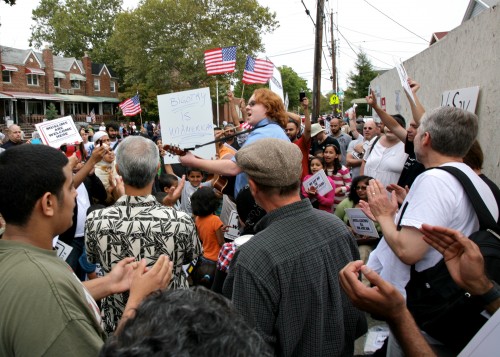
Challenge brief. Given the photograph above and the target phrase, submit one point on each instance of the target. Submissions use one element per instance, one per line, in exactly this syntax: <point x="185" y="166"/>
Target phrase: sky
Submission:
<point x="395" y="30"/>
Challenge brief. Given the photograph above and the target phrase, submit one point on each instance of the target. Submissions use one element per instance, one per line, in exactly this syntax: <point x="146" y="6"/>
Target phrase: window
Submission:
<point x="75" y="84"/>
<point x="32" y="79"/>
<point x="6" y="76"/>
<point x="97" y="85"/>
<point x="112" y="86"/>
<point x="57" y="82"/>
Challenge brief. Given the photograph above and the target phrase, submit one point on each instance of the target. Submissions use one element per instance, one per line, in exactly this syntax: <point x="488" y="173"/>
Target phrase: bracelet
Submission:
<point x="491" y="295"/>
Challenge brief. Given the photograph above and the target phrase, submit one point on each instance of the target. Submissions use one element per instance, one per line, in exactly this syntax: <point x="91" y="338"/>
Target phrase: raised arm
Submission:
<point x="307" y="121"/>
<point x="387" y="119"/>
<point x="352" y="123"/>
<point x="417" y="109"/>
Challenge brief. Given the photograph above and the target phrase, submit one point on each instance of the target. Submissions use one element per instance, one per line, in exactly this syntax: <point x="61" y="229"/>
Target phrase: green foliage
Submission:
<point x="293" y="85"/>
<point x="10" y="2"/>
<point x="72" y="27"/>
<point x="160" y="45"/>
<point x="359" y="81"/>
<point x="51" y="112"/>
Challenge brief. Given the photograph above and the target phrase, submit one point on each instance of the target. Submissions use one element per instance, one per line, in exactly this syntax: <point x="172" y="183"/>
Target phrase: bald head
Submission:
<point x="14" y="133"/>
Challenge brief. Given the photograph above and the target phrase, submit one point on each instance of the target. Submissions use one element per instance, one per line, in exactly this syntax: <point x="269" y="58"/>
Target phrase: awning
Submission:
<point x="8" y="67"/>
<point x="6" y="96"/>
<point x="87" y="99"/>
<point x="58" y="74"/>
<point x="38" y="96"/>
<point x="37" y="71"/>
<point x="77" y="77"/>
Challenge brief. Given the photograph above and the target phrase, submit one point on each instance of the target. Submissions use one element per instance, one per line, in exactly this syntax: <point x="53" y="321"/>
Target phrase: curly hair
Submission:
<point x="353" y="194"/>
<point x="275" y="109"/>
<point x="186" y="322"/>
<point x="204" y="202"/>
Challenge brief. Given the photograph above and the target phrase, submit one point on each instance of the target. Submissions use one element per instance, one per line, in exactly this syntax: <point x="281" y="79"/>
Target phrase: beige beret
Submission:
<point x="271" y="162"/>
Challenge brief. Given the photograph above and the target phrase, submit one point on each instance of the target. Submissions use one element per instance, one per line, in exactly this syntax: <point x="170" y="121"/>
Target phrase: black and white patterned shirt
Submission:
<point x="139" y="227"/>
<point x="284" y="281"/>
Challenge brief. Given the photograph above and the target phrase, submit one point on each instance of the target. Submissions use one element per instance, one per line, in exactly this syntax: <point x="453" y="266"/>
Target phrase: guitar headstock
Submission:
<point x="174" y="150"/>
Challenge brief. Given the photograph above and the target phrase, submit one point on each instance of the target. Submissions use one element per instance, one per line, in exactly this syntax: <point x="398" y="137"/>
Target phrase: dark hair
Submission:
<point x="353" y="193"/>
<point x="204" y="202"/>
<point x="167" y="180"/>
<point x="321" y="159"/>
<point x="160" y="196"/>
<point x="248" y="210"/>
<point x="195" y="169"/>
<point x="400" y="119"/>
<point x="186" y="322"/>
<point x="27" y="172"/>
<point x="113" y="125"/>
<point x="337" y="165"/>
<point x="474" y="157"/>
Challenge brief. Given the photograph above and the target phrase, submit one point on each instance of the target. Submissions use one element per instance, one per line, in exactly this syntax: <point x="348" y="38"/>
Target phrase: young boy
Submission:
<point x="194" y="178"/>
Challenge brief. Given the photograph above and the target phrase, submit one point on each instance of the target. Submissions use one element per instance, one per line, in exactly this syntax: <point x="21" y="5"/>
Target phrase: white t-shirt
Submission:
<point x="436" y="198"/>
<point x="350" y="150"/>
<point x="83" y="202"/>
<point x="385" y="164"/>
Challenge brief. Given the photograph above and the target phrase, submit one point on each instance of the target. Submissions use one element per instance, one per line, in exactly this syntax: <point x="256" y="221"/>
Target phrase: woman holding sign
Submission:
<point x="322" y="202"/>
<point x="266" y="113"/>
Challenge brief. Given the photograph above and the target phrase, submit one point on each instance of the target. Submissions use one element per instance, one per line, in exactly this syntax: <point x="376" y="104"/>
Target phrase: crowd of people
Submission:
<point x="147" y="241"/>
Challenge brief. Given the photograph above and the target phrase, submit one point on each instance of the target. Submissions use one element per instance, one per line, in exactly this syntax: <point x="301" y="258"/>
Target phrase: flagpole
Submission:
<point x="140" y="113"/>
<point x="242" y="90"/>
<point x="217" y="96"/>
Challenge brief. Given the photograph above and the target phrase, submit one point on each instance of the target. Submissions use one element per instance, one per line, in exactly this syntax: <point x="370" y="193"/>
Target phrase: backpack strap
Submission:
<point x="486" y="220"/>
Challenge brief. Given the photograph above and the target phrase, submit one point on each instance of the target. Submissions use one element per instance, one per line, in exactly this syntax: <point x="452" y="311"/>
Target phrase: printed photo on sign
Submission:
<point x="360" y="223"/>
<point x="320" y="182"/>
<point x="186" y="121"/>
<point x="58" y="132"/>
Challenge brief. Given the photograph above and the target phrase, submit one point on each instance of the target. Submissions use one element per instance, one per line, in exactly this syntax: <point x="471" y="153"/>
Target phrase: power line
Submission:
<point x="382" y="38"/>
<point x="390" y="18"/>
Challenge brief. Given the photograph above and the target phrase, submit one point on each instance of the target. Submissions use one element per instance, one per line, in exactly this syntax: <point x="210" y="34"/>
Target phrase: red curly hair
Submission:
<point x="275" y="109"/>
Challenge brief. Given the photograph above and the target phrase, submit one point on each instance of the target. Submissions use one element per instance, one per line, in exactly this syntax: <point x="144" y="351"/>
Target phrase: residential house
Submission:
<point x="32" y="80"/>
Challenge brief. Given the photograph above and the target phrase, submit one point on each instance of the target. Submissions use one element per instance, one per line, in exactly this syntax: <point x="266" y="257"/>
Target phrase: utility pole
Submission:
<point x="317" y="61"/>
<point x="334" y="65"/>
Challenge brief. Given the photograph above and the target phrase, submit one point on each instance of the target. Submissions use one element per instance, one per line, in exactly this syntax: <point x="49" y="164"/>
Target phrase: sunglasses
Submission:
<point x="361" y="188"/>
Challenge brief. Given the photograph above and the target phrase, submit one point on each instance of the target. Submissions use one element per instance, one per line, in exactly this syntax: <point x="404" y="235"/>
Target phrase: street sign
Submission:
<point x="334" y="100"/>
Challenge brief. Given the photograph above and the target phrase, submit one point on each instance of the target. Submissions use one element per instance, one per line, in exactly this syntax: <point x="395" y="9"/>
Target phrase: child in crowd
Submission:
<point x="193" y="182"/>
<point x="322" y="202"/>
<point x="338" y="172"/>
<point x="166" y="182"/>
<point x="210" y="230"/>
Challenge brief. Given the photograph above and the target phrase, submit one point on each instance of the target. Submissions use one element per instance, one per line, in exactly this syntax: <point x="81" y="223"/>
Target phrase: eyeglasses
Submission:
<point x="252" y="103"/>
<point x="361" y="188"/>
<point x="366" y="128"/>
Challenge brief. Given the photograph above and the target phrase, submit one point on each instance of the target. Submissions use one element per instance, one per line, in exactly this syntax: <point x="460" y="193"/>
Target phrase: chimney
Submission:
<point x="48" y="59"/>
<point x="87" y="66"/>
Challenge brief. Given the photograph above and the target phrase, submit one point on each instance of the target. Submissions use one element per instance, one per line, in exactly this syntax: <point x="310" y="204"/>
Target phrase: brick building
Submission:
<point x="32" y="80"/>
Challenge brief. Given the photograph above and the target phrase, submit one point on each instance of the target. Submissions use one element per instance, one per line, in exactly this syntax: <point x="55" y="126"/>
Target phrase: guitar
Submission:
<point x="223" y="184"/>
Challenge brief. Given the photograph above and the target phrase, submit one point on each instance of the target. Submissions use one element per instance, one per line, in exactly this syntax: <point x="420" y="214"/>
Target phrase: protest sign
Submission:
<point x="276" y="85"/>
<point x="186" y="120"/>
<point x="58" y="132"/>
<point x="318" y="181"/>
<point x="464" y="98"/>
<point x="360" y="223"/>
<point x="403" y="76"/>
<point x="232" y="230"/>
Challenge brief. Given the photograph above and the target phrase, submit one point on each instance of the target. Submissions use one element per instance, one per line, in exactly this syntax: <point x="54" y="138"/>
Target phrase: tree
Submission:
<point x="72" y="27"/>
<point x="51" y="112"/>
<point x="160" y="44"/>
<point x="10" y="2"/>
<point x="359" y="81"/>
<point x="293" y="85"/>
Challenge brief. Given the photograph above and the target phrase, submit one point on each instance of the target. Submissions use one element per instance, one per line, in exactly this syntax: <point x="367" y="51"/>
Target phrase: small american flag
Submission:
<point x="92" y="115"/>
<point x="131" y="107"/>
<point x="220" y="60"/>
<point x="257" y="71"/>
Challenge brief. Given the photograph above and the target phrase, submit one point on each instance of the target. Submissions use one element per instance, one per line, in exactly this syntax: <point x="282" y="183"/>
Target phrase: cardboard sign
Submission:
<point x="233" y="231"/>
<point x="275" y="83"/>
<point x="63" y="250"/>
<point x="360" y="223"/>
<point x="58" y="132"/>
<point x="186" y="121"/>
<point x="464" y="98"/>
<point x="318" y="181"/>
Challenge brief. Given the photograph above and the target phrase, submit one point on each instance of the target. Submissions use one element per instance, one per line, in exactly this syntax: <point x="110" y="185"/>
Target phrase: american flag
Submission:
<point x="257" y="71"/>
<point x="220" y="60"/>
<point x="92" y="115"/>
<point x="131" y="107"/>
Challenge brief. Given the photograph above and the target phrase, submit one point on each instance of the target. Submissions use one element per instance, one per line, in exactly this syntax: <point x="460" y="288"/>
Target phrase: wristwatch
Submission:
<point x="491" y="295"/>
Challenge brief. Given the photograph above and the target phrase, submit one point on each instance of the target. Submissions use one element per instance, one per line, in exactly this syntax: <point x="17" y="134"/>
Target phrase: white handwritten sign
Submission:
<point x="320" y="182"/>
<point x="232" y="231"/>
<point x="403" y="76"/>
<point x="465" y="98"/>
<point x="360" y="223"/>
<point x="58" y="132"/>
<point x="186" y="120"/>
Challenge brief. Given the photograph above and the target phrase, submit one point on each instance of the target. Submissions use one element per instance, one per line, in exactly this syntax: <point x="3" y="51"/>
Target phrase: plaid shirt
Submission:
<point x="225" y="256"/>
